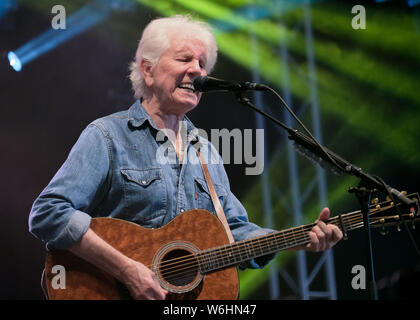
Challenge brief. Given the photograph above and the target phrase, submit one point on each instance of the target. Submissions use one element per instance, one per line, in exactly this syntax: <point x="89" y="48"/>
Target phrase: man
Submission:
<point x="115" y="168"/>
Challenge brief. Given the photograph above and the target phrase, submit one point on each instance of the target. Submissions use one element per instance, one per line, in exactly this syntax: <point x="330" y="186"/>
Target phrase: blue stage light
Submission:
<point x="14" y="61"/>
<point x="6" y="6"/>
<point x="413" y="3"/>
<point x="86" y="17"/>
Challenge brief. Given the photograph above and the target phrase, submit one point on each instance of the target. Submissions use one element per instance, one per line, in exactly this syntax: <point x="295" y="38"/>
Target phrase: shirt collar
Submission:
<point x="137" y="115"/>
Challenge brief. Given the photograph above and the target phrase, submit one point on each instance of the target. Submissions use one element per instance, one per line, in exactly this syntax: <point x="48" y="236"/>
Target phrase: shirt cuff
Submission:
<point x="78" y="225"/>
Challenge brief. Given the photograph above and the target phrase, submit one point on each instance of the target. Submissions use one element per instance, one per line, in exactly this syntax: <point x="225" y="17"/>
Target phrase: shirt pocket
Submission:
<point x="144" y="196"/>
<point x="202" y="194"/>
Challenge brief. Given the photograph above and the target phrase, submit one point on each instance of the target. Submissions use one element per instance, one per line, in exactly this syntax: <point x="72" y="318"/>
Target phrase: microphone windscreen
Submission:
<point x="199" y="82"/>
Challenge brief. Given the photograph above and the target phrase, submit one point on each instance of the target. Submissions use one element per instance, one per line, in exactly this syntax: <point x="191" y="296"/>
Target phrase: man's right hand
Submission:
<point x="142" y="282"/>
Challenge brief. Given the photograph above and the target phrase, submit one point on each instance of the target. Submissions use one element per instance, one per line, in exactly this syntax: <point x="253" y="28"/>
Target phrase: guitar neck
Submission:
<point x="238" y="252"/>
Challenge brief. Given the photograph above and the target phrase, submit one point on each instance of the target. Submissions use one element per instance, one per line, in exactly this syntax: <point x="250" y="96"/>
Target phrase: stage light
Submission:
<point x="6" y="6"/>
<point x="14" y="61"/>
<point x="413" y="3"/>
<point x="83" y="19"/>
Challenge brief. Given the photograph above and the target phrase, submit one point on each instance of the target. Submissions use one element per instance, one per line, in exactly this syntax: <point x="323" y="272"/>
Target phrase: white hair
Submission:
<point x="155" y="40"/>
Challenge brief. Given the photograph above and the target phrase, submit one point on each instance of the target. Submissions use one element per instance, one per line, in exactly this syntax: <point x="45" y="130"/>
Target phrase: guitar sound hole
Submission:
<point x="179" y="267"/>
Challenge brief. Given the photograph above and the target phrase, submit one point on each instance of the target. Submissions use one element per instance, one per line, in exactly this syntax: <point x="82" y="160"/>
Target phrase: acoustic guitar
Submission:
<point x="191" y="256"/>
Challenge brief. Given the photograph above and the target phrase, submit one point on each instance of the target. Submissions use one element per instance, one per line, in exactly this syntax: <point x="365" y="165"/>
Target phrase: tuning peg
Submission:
<point x="411" y="215"/>
<point x="375" y="201"/>
<point x="399" y="226"/>
<point x="383" y="231"/>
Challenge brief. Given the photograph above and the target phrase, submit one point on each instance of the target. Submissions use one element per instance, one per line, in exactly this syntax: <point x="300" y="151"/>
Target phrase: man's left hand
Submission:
<point x="323" y="236"/>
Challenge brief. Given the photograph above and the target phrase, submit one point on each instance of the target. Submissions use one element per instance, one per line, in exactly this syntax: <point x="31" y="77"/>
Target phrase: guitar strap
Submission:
<point x="214" y="198"/>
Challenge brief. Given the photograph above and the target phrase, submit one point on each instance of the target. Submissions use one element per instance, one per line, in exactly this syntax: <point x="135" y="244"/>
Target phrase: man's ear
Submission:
<point x="147" y="72"/>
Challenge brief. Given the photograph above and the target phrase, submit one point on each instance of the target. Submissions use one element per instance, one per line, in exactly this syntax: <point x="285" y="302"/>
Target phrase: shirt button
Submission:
<point x="143" y="182"/>
<point x="182" y="210"/>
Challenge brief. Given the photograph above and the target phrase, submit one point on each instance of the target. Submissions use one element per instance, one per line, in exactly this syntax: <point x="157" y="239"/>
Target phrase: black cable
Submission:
<point x="304" y="128"/>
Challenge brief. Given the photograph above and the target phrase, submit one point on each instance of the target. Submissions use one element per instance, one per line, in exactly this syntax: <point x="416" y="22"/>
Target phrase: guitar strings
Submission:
<point x="297" y="240"/>
<point x="239" y="244"/>
<point x="354" y="220"/>
<point x="221" y="253"/>
<point x="215" y="253"/>
<point x="212" y="253"/>
<point x="189" y="270"/>
<point x="186" y="273"/>
<point x="192" y="268"/>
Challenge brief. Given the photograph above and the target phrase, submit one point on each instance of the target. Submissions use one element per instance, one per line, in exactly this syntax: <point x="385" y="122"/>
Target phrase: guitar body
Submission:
<point x="187" y="234"/>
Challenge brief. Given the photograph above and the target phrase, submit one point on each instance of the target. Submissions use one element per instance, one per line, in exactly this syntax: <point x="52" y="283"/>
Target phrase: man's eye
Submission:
<point x="202" y="64"/>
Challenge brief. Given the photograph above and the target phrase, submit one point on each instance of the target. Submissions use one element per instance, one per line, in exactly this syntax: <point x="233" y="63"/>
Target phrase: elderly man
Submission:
<point x="113" y="169"/>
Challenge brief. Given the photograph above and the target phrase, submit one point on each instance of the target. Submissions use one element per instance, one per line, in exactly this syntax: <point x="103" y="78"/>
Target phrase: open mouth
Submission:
<point x="187" y="86"/>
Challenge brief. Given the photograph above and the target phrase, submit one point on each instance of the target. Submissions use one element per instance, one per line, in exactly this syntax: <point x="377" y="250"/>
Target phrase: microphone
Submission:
<point x="402" y="197"/>
<point x="206" y="84"/>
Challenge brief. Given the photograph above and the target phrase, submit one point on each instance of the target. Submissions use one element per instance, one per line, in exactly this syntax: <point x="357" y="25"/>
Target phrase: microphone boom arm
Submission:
<point x="327" y="155"/>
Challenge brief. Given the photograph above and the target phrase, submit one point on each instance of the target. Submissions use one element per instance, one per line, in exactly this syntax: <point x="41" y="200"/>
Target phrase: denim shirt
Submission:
<point x="117" y="169"/>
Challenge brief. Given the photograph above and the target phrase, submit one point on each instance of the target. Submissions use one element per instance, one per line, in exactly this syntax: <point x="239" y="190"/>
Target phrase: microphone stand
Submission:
<point x="367" y="185"/>
<point x="363" y="195"/>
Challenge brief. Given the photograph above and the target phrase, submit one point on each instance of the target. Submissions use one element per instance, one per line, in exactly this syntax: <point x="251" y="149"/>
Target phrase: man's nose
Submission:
<point x="194" y="67"/>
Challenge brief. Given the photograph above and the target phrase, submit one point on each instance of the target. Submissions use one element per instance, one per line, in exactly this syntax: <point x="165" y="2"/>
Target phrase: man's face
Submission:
<point x="172" y="77"/>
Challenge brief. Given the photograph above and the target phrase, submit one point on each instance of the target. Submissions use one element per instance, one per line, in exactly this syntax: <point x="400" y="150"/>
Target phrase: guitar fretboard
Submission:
<point x="238" y="252"/>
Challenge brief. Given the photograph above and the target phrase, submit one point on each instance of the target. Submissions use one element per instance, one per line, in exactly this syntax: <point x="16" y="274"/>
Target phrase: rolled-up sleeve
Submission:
<point x="59" y="215"/>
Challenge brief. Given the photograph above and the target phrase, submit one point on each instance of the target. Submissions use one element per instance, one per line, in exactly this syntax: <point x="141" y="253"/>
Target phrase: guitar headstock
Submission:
<point x="387" y="213"/>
